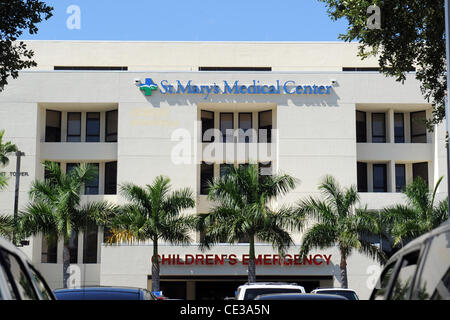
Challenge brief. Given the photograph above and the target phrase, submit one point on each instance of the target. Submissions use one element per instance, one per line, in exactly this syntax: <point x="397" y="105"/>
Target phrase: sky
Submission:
<point x="192" y="20"/>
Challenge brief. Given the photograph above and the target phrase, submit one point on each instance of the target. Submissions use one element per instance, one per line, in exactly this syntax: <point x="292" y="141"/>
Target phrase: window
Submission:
<point x="361" y="127"/>
<point x="400" y="177"/>
<point x="418" y="127"/>
<point x="379" y="178"/>
<point x="43" y="290"/>
<point x="52" y="126"/>
<point x="91" y="187"/>
<point x="19" y="276"/>
<point x="111" y="126"/>
<point x="362" y="176"/>
<point x="111" y="177"/>
<point x="206" y="176"/>
<point x="73" y="247"/>
<point x="74" y="127"/>
<point x="265" y="126"/>
<point x="383" y="282"/>
<point x="399" y="128"/>
<point x="402" y="285"/>
<point x="90" y="68"/>
<point x="49" y="248"/>
<point x="378" y="127"/>
<point x="47" y="173"/>
<point x="225" y="168"/>
<point x="234" y="68"/>
<point x="245" y="127"/>
<point x="207" y="126"/>
<point x="434" y="281"/>
<point x="90" y="242"/>
<point x="71" y="166"/>
<point x="226" y="127"/>
<point x="93" y="127"/>
<point x="265" y="168"/>
<point x="420" y="170"/>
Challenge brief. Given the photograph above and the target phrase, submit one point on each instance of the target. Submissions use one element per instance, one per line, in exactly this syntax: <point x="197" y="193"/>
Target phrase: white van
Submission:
<point x="250" y="291"/>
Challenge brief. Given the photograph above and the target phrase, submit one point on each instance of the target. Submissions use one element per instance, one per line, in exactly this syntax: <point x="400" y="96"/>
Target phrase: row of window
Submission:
<point x="378" y="121"/>
<point x="245" y="126"/>
<point x="207" y="173"/>
<point x="379" y="176"/>
<point x="92" y="187"/>
<point x="49" y="250"/>
<point x="53" y="126"/>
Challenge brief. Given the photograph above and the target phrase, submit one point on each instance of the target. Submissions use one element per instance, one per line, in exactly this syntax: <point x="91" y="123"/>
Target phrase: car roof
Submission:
<point x="299" y="296"/>
<point x="334" y="289"/>
<point x="267" y="284"/>
<point x="416" y="242"/>
<point x="99" y="289"/>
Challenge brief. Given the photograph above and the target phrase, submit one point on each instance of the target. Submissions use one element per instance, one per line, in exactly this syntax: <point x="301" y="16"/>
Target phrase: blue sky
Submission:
<point x="192" y="20"/>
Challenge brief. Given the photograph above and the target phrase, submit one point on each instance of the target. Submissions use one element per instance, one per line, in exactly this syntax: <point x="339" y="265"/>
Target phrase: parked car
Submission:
<point x="299" y="296"/>
<point x="103" y="293"/>
<point x="19" y="279"/>
<point x="347" y="293"/>
<point x="419" y="271"/>
<point x="250" y="291"/>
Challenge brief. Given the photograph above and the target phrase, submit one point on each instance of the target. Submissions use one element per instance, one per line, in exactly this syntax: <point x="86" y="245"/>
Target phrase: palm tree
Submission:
<point x="418" y="216"/>
<point x="243" y="198"/>
<point x="339" y="224"/>
<point x="154" y="214"/>
<point x="5" y="149"/>
<point x="6" y="225"/>
<point x="55" y="208"/>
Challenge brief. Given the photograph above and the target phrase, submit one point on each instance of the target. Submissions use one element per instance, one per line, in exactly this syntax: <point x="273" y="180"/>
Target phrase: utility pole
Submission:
<point x="19" y="154"/>
<point x="447" y="49"/>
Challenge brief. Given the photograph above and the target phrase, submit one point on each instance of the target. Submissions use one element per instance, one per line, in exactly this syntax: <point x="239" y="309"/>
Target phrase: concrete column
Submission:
<point x="369" y="126"/>
<point x="369" y="177"/>
<point x="407" y="119"/>
<point x="102" y="126"/>
<point x="390" y="126"/>
<point x="408" y="173"/>
<point x="391" y="176"/>
<point x="64" y="126"/>
<point x="83" y="126"/>
<point x="80" y="247"/>
<point x="101" y="178"/>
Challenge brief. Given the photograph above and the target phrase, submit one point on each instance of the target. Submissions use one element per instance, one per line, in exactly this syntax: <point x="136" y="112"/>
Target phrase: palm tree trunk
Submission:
<point x="155" y="268"/>
<point x="251" y="261"/>
<point x="343" y="266"/>
<point x="66" y="264"/>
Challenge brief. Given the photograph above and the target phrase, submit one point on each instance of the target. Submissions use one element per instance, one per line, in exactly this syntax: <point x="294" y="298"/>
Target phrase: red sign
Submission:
<point x="232" y="259"/>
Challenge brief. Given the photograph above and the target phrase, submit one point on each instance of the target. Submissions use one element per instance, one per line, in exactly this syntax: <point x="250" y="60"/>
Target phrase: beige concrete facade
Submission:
<point x="315" y="135"/>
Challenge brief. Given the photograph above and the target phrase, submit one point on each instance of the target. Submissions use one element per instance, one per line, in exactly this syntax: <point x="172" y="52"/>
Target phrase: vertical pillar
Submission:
<point x="190" y="290"/>
<point x="390" y="126"/>
<point x="391" y="176"/>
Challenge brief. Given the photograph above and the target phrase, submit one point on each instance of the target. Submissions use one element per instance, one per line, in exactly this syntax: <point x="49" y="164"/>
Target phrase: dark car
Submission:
<point x="299" y="296"/>
<point x="419" y="271"/>
<point x="19" y="279"/>
<point x="104" y="293"/>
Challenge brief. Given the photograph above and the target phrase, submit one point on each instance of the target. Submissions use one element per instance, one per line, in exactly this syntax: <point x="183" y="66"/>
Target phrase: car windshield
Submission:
<point x="350" y="295"/>
<point x="251" y="294"/>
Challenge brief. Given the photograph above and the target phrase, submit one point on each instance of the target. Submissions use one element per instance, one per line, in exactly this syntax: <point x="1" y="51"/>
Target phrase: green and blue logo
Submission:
<point x="148" y="86"/>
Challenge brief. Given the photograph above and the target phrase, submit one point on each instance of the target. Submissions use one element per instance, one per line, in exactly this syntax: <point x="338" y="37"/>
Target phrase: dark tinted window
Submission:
<point x="434" y="281"/>
<point x="383" y="283"/>
<point x="207" y="118"/>
<point x="400" y="177"/>
<point x="251" y="294"/>
<point x="420" y="170"/>
<point x="52" y="126"/>
<point x="73" y="247"/>
<point x="265" y="168"/>
<point x="361" y="127"/>
<point x="97" y="295"/>
<point x="225" y="168"/>
<point x="71" y="166"/>
<point x="111" y="177"/>
<point x="93" y="127"/>
<point x="418" y="127"/>
<point x="362" y="176"/>
<point x="90" y="241"/>
<point x="49" y="249"/>
<point x="226" y="127"/>
<point x="39" y="282"/>
<point x="405" y="277"/>
<point x="399" y="128"/>
<point x="206" y="176"/>
<point x="378" y="127"/>
<point x="91" y="187"/>
<point x="111" y="126"/>
<point x="265" y="126"/>
<point x="73" y="126"/>
<point x="245" y="127"/>
<point x="379" y="178"/>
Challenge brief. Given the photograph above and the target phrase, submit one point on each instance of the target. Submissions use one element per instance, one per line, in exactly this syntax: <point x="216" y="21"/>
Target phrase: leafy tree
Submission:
<point x="15" y="17"/>
<point x="412" y="34"/>
<point x="153" y="213"/>
<point x="243" y="211"/>
<point x="56" y="210"/>
<point x="6" y="225"/>
<point x="418" y="216"/>
<point x="338" y="223"/>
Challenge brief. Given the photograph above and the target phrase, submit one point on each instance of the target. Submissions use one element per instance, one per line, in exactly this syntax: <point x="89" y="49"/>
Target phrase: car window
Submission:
<point x="405" y="277"/>
<point x="434" y="281"/>
<point x="251" y="294"/>
<point x="19" y="277"/>
<point x="350" y="295"/>
<point x="383" y="282"/>
<point x="40" y="284"/>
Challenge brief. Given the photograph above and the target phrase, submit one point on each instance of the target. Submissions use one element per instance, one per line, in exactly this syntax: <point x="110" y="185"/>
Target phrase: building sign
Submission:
<point x="289" y="87"/>
<point x="13" y="174"/>
<point x="232" y="259"/>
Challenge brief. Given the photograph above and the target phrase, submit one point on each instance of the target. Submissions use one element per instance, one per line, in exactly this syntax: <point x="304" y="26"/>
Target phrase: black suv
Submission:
<point x="419" y="271"/>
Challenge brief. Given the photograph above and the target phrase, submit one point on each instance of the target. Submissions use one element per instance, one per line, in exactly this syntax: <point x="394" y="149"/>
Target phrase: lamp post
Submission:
<point x="19" y="154"/>
<point x="447" y="49"/>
